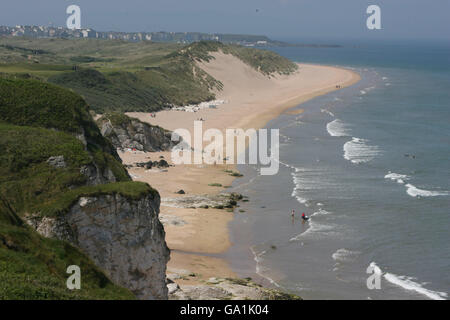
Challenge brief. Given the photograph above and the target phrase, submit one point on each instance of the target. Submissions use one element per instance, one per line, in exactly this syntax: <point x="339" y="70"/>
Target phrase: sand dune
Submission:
<point x="253" y="99"/>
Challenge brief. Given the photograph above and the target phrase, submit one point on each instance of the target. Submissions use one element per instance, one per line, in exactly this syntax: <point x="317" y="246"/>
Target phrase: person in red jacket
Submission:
<point x="305" y="217"/>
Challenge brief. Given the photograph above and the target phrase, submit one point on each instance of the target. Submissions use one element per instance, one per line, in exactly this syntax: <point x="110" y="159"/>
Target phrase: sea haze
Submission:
<point x="370" y="165"/>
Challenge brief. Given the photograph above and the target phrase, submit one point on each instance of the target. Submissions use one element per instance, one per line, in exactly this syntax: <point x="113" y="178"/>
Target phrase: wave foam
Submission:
<point x="413" y="191"/>
<point x="400" y="178"/>
<point x="327" y="112"/>
<point x="408" y="284"/>
<point x="342" y="255"/>
<point x="316" y="230"/>
<point x="258" y="257"/>
<point x="358" y="151"/>
<point x="337" y="128"/>
<point x="321" y="212"/>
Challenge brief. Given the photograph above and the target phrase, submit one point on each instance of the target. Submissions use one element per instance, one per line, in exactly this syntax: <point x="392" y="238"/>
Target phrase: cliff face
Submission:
<point x="125" y="132"/>
<point x="60" y="175"/>
<point x="123" y="237"/>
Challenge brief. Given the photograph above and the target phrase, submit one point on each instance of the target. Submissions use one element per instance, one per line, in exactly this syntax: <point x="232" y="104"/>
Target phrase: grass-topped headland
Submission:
<point x="32" y="267"/>
<point x="33" y="103"/>
<point x="48" y="139"/>
<point x="39" y="121"/>
<point x="61" y="203"/>
<point x="114" y="75"/>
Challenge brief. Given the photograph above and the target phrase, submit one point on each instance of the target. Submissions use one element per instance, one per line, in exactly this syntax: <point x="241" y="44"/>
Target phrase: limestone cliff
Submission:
<point x="123" y="237"/>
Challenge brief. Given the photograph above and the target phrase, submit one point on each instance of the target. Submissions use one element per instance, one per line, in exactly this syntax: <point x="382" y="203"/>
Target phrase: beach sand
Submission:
<point x="252" y="100"/>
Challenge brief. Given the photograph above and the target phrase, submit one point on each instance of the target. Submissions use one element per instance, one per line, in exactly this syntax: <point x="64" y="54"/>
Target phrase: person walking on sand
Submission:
<point x="293" y="213"/>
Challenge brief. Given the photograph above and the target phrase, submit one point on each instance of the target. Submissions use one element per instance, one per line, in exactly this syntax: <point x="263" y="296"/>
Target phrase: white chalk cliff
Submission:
<point x="124" y="237"/>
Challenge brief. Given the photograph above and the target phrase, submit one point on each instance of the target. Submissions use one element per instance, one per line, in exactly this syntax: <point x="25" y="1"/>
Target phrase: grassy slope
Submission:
<point x="121" y="120"/>
<point x="39" y="120"/>
<point x="123" y="76"/>
<point x="32" y="267"/>
<point x="36" y="104"/>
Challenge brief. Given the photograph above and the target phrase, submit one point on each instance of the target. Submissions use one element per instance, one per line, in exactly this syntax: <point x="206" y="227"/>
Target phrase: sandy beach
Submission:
<point x="199" y="236"/>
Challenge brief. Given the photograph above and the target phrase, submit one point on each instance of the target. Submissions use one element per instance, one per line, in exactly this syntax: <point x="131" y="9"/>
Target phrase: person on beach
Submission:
<point x="304" y="217"/>
<point x="293" y="213"/>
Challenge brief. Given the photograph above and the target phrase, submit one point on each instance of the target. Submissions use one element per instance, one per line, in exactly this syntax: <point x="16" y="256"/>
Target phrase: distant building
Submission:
<point x="176" y="37"/>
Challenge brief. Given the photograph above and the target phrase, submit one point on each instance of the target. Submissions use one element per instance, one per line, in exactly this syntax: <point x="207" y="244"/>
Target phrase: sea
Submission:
<point x="370" y="165"/>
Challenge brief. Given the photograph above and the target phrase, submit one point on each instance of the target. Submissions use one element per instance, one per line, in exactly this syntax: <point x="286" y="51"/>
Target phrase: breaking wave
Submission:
<point x="400" y="178"/>
<point x="343" y="255"/>
<point x="337" y="128"/>
<point x="413" y="191"/>
<point x="358" y="151"/>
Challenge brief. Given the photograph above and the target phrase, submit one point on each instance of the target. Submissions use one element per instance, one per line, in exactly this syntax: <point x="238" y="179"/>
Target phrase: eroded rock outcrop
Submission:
<point x="129" y="133"/>
<point x="123" y="237"/>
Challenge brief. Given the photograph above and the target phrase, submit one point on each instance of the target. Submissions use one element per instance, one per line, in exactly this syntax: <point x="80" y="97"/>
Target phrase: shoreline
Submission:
<point x="198" y="237"/>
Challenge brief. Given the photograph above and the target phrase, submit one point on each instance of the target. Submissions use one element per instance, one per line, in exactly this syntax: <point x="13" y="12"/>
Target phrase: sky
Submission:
<point x="296" y="20"/>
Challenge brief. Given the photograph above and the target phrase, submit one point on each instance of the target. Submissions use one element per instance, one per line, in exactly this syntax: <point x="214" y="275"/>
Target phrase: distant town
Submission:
<point x="177" y="37"/>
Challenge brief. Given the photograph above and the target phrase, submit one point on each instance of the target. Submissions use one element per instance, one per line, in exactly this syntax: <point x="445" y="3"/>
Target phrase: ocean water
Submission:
<point x="370" y="164"/>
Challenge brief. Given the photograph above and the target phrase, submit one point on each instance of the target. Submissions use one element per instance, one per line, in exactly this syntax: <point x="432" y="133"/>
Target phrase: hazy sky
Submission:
<point x="279" y="19"/>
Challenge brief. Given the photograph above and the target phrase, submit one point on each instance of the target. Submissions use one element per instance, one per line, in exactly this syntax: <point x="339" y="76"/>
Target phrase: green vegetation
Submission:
<point x="267" y="62"/>
<point x="117" y="119"/>
<point x="121" y="120"/>
<point x="38" y="122"/>
<point x="62" y="202"/>
<point x="215" y="185"/>
<point x="32" y="267"/>
<point x="236" y="174"/>
<point x="123" y="76"/>
<point x="36" y="104"/>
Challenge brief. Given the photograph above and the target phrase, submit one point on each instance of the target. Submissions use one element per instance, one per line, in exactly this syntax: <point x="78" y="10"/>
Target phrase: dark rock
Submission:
<point x="236" y="196"/>
<point x="57" y="162"/>
<point x="129" y="133"/>
<point x="163" y="163"/>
